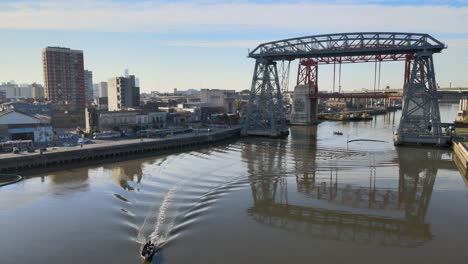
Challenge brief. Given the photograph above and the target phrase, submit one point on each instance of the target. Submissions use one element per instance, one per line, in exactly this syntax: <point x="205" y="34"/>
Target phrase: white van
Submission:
<point x="83" y="140"/>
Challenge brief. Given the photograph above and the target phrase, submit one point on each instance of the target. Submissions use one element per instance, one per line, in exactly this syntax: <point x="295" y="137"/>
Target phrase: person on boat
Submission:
<point x="147" y="248"/>
<point x="150" y="244"/>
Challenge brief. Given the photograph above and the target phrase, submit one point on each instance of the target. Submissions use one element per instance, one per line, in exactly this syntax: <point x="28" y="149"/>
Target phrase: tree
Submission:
<point x="238" y="104"/>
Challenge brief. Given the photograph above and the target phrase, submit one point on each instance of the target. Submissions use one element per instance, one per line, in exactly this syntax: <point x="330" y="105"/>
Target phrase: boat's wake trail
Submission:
<point x="158" y="235"/>
<point x="162" y="229"/>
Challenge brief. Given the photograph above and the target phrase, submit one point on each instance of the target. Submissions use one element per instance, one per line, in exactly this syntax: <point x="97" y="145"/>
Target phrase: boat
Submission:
<point x="338" y="133"/>
<point x="148" y="251"/>
<point x="345" y="117"/>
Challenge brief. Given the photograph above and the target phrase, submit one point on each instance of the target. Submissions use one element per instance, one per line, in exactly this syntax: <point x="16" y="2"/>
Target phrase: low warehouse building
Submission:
<point x="20" y="126"/>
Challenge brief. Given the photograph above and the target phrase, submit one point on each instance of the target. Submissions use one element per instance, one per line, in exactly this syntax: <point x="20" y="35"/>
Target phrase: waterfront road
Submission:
<point x="98" y="144"/>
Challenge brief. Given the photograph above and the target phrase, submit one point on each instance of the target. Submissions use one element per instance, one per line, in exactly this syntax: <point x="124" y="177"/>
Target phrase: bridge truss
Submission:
<point x="420" y="116"/>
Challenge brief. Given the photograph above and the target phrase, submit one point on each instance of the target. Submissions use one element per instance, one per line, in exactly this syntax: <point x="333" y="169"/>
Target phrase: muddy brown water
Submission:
<point x="309" y="198"/>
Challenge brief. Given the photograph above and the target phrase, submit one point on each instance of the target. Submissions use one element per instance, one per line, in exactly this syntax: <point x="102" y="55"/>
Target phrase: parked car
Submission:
<point x="16" y="150"/>
<point x="107" y="135"/>
<point x="83" y="140"/>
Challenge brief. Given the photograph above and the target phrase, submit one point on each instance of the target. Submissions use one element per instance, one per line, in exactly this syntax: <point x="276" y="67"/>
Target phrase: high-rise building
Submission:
<point x="64" y="77"/>
<point x="102" y="89"/>
<point x="88" y="76"/>
<point x="122" y="93"/>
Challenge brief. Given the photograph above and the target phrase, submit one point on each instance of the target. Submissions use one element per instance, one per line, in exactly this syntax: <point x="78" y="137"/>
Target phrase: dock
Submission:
<point x="110" y="150"/>
<point x="460" y="157"/>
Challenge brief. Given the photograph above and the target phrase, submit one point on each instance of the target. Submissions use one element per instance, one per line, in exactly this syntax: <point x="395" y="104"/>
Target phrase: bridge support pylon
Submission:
<point x="305" y="101"/>
<point x="265" y="114"/>
<point x="420" y="118"/>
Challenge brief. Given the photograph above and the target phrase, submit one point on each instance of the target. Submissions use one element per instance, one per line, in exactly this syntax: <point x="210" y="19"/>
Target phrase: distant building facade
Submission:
<point x="101" y="103"/>
<point x="102" y="89"/>
<point x="189" y="92"/>
<point x="22" y="91"/>
<point x="122" y="93"/>
<point x="219" y="98"/>
<point x="37" y="91"/>
<point x="64" y="77"/>
<point x="88" y="79"/>
<point x="3" y="96"/>
<point x="28" y="108"/>
<point x="96" y="90"/>
<point x="124" y="121"/>
<point x="14" y="91"/>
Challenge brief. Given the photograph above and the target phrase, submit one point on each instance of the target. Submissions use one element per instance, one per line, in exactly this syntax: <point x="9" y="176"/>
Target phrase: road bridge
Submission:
<point x="420" y="122"/>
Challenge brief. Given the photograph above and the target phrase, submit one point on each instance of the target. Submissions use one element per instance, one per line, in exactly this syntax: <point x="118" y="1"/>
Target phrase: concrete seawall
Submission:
<point x="461" y="157"/>
<point x="110" y="151"/>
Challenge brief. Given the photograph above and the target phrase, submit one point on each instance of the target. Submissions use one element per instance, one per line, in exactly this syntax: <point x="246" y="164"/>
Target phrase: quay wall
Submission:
<point x="461" y="157"/>
<point x="77" y="155"/>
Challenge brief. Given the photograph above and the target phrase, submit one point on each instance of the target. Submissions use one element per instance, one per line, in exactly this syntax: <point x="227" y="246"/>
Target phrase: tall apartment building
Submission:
<point x="64" y="77"/>
<point x="102" y="89"/>
<point x="122" y="93"/>
<point x="88" y="79"/>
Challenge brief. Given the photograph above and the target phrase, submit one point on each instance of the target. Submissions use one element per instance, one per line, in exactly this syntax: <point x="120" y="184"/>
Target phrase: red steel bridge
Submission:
<point x="420" y="122"/>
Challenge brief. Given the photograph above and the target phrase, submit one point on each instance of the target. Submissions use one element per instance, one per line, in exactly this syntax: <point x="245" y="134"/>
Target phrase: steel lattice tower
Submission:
<point x="420" y="120"/>
<point x="265" y="115"/>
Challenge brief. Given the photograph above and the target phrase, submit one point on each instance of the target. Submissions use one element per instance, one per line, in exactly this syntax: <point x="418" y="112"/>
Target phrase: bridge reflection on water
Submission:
<point x="387" y="211"/>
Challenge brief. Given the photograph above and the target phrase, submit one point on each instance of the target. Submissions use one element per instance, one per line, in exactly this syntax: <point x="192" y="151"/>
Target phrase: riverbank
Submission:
<point x="110" y="150"/>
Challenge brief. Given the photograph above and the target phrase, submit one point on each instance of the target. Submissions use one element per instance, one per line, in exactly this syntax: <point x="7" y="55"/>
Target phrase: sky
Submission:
<point x="204" y="43"/>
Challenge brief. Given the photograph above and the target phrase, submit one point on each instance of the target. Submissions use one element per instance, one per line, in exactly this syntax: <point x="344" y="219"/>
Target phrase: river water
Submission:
<point x="311" y="198"/>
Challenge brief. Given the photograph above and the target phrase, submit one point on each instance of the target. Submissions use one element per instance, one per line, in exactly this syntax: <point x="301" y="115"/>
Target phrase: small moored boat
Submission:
<point x="148" y="251"/>
<point x="338" y="133"/>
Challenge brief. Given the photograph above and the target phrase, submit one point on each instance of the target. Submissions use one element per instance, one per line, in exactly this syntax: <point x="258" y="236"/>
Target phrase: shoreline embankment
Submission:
<point x="113" y="150"/>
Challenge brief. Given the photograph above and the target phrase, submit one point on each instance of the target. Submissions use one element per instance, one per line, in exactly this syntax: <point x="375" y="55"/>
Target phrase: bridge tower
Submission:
<point x="305" y="101"/>
<point x="420" y="120"/>
<point x="265" y="115"/>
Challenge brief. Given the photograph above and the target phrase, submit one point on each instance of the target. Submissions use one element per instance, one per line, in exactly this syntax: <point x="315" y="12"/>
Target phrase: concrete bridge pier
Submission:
<point x="304" y="108"/>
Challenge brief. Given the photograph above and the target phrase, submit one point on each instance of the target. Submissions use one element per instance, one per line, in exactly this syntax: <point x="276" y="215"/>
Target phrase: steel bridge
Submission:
<point x="420" y="122"/>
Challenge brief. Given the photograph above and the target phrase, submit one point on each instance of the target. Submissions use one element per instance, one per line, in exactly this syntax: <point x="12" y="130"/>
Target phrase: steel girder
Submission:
<point x="408" y="60"/>
<point x="307" y="74"/>
<point x="420" y="114"/>
<point x="265" y="115"/>
<point x="356" y="46"/>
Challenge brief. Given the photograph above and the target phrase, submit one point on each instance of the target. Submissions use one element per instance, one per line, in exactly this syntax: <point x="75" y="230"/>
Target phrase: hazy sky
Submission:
<point x="192" y="44"/>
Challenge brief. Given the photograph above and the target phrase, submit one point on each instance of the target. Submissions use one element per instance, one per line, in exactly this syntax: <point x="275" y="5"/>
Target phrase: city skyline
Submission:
<point x="204" y="44"/>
